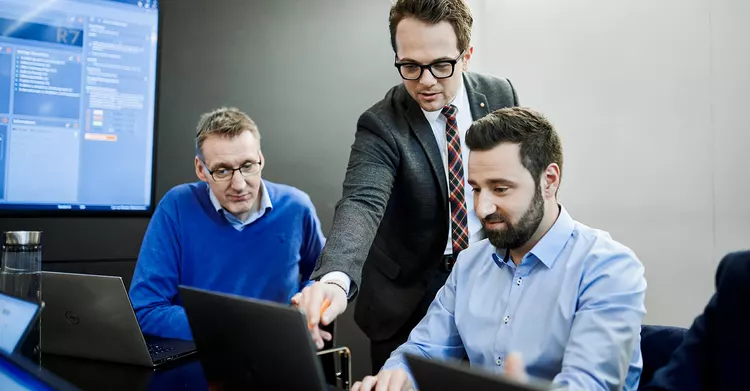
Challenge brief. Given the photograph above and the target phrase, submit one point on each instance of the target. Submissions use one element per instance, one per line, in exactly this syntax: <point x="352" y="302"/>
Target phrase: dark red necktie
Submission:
<point x="459" y="225"/>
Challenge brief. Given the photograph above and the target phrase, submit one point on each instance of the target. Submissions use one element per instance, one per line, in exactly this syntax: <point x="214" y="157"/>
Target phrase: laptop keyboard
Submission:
<point x="155" y="349"/>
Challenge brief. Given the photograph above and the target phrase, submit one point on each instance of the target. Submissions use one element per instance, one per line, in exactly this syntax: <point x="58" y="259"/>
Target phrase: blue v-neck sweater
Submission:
<point x="189" y="242"/>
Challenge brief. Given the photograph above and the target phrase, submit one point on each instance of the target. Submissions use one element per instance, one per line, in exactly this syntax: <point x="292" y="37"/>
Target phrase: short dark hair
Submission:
<point x="539" y="143"/>
<point x="227" y="122"/>
<point x="456" y="12"/>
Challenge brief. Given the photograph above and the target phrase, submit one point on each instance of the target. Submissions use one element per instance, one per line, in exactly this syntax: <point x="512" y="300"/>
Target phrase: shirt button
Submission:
<point x="518" y="282"/>
<point x="499" y="361"/>
<point x="506" y="319"/>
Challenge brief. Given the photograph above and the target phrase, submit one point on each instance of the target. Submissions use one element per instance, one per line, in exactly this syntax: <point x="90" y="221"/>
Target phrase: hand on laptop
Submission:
<point x="398" y="379"/>
<point x="515" y="368"/>
<point x="395" y="380"/>
<point x="310" y="302"/>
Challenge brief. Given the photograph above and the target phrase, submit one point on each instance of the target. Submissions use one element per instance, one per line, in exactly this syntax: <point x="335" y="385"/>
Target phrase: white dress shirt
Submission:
<point x="438" y="123"/>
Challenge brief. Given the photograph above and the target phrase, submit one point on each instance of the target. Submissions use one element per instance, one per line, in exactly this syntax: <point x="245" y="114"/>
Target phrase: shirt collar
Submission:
<point x="550" y="245"/>
<point x="460" y="101"/>
<point x="264" y="204"/>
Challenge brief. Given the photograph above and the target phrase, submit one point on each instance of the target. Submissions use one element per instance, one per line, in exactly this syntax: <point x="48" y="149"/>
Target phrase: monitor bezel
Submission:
<point x="149" y="211"/>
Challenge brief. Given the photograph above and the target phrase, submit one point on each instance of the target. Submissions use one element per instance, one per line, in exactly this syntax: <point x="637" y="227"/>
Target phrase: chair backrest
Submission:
<point x="657" y="345"/>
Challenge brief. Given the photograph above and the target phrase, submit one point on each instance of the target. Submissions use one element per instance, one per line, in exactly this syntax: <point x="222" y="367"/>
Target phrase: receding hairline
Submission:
<point x="202" y="137"/>
<point x="225" y="122"/>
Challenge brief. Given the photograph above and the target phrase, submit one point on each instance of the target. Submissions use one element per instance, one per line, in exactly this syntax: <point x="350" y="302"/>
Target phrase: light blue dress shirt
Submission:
<point x="572" y="307"/>
<point x="264" y="206"/>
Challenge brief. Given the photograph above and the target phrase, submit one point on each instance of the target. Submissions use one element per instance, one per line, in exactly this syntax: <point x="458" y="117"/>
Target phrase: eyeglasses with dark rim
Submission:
<point x="224" y="174"/>
<point x="442" y="69"/>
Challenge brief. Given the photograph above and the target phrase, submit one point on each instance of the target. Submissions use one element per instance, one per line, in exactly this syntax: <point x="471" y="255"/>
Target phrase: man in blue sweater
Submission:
<point x="231" y="232"/>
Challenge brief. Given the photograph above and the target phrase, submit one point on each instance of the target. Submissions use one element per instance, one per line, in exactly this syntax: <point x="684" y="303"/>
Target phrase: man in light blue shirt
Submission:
<point x="566" y="297"/>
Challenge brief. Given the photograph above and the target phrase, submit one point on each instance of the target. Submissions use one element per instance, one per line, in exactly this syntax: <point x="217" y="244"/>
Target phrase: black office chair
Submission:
<point x="657" y="345"/>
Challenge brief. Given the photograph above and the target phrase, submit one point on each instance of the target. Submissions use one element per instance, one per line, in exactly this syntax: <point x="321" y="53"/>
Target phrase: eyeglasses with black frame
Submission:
<point x="442" y="69"/>
<point x="224" y="174"/>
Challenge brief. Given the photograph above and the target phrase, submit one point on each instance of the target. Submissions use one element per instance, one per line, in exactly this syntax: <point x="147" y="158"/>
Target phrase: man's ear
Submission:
<point x="467" y="58"/>
<point x="551" y="180"/>
<point x="200" y="171"/>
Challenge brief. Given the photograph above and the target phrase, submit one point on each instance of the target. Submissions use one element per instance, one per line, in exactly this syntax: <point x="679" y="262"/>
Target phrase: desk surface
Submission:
<point x="90" y="375"/>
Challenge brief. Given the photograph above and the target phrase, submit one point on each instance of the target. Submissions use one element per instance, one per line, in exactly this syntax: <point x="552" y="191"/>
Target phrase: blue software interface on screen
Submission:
<point x="13" y="378"/>
<point x="15" y="317"/>
<point x="77" y="93"/>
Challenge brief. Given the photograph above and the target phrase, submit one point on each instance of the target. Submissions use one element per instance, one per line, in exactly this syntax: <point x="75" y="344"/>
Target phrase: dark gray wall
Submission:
<point x="303" y="70"/>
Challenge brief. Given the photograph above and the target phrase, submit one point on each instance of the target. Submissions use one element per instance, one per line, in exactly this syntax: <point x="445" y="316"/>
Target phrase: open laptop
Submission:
<point x="248" y="344"/>
<point x="431" y="375"/>
<point x="91" y="316"/>
<point x="16" y="318"/>
<point x="19" y="374"/>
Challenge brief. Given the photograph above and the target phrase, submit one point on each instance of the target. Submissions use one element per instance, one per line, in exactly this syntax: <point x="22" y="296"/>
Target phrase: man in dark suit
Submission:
<point x="405" y="213"/>
<point x="715" y="354"/>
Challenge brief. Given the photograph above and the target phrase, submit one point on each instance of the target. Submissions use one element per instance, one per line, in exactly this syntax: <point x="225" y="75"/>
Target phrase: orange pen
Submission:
<point x="323" y="308"/>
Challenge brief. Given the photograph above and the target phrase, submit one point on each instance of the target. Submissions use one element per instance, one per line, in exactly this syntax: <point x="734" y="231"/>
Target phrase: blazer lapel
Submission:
<point x="423" y="131"/>
<point x="477" y="100"/>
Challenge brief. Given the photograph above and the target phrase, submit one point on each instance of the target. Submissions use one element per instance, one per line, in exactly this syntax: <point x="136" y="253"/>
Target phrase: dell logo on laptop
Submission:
<point x="71" y="317"/>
